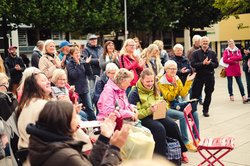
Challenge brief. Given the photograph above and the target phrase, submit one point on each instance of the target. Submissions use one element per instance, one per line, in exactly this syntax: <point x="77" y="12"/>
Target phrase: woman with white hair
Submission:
<point x="49" y="61"/>
<point x="172" y="89"/>
<point x="183" y="66"/>
<point x="109" y="73"/>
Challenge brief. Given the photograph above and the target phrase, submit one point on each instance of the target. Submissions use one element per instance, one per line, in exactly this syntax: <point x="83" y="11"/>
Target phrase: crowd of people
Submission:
<point x="44" y="103"/>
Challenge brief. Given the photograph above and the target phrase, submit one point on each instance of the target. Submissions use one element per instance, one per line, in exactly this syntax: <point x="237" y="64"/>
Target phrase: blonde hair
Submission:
<point x="2" y="67"/>
<point x="159" y="43"/>
<point x="147" y="53"/>
<point x="121" y="75"/>
<point x="2" y="77"/>
<point x="57" y="73"/>
<point x="124" y="50"/>
<point x="46" y="43"/>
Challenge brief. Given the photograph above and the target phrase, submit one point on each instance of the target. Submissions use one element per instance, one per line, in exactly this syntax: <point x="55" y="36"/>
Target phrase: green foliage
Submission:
<point x="152" y="15"/>
<point x="198" y="14"/>
<point x="232" y="7"/>
<point x="105" y="16"/>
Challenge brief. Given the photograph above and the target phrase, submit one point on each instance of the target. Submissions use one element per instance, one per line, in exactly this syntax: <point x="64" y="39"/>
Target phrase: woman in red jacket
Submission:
<point x="129" y="60"/>
<point x="232" y="56"/>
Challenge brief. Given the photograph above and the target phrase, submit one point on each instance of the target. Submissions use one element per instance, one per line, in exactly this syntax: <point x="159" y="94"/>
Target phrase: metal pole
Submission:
<point x="125" y="18"/>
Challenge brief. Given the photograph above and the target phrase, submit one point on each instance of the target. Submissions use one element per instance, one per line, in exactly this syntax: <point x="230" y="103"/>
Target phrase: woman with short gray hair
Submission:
<point x="109" y="73"/>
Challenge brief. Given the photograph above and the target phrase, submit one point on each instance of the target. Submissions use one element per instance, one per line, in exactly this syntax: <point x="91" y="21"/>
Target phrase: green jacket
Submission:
<point x="143" y="99"/>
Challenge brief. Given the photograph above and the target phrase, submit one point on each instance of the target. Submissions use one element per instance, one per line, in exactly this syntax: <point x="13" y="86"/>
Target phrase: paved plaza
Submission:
<point x="226" y="119"/>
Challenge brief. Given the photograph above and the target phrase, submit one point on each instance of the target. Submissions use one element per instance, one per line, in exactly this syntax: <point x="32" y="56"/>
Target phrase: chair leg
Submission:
<point x="213" y="156"/>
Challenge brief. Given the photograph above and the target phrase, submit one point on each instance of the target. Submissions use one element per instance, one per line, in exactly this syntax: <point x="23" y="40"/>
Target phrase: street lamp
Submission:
<point x="125" y="20"/>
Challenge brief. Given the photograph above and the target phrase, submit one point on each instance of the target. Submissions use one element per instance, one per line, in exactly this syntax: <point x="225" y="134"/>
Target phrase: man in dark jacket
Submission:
<point x="96" y="51"/>
<point x="204" y="61"/>
<point x="37" y="53"/>
<point x="16" y="67"/>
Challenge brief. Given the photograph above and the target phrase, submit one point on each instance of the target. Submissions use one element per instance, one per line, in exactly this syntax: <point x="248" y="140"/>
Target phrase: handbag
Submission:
<point x="139" y="145"/>
<point x="223" y="73"/>
<point x="173" y="150"/>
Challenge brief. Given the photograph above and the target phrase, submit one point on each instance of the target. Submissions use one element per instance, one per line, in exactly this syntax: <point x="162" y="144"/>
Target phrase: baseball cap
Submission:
<point x="93" y="36"/>
<point x="11" y="48"/>
<point x="65" y="43"/>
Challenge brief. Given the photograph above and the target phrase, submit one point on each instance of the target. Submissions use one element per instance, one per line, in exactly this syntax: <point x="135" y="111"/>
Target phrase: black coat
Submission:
<point x="77" y="75"/>
<point x="197" y="62"/>
<point x="15" y="75"/>
<point x="96" y="52"/>
<point x="182" y="61"/>
<point x="99" y="87"/>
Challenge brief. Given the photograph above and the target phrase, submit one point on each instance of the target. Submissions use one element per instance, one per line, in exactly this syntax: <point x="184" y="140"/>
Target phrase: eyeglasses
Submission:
<point x="172" y="68"/>
<point x="62" y="79"/>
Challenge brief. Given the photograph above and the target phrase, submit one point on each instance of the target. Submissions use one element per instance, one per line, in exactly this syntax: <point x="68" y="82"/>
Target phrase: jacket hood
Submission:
<point x="142" y="89"/>
<point x="104" y="78"/>
<point x="43" y="144"/>
<point x="111" y="84"/>
<point x="36" y="49"/>
<point x="233" y="50"/>
<point x="163" y="80"/>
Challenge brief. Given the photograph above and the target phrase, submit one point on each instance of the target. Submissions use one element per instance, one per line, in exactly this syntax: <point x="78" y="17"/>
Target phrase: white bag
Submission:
<point x="139" y="145"/>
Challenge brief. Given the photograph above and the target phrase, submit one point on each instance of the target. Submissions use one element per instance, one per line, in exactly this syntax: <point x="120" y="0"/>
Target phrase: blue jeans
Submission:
<point x="174" y="114"/>
<point x="87" y="103"/>
<point x="230" y="85"/>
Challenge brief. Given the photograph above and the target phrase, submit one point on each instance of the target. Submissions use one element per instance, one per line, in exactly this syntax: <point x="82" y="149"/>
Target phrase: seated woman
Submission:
<point x="27" y="72"/>
<point x="171" y="88"/>
<point x="144" y="95"/>
<point x="114" y="96"/>
<point x="62" y="88"/>
<point x="52" y="143"/>
<point x="109" y="73"/>
<point x="8" y="130"/>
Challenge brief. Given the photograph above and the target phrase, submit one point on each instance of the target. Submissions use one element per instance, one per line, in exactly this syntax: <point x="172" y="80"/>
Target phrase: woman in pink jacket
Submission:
<point x="113" y="98"/>
<point x="232" y="56"/>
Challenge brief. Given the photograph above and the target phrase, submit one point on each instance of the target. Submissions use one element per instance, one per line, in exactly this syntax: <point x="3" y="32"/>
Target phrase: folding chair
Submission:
<point x="211" y="149"/>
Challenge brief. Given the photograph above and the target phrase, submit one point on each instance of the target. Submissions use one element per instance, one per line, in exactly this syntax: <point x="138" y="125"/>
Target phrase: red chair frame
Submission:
<point x="216" y="148"/>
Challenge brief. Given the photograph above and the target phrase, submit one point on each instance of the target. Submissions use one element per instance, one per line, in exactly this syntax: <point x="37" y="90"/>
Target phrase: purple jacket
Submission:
<point x="111" y="95"/>
<point x="233" y="58"/>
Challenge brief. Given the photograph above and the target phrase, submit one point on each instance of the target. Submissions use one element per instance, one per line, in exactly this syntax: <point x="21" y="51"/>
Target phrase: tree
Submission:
<point x="198" y="14"/>
<point x="232" y="7"/>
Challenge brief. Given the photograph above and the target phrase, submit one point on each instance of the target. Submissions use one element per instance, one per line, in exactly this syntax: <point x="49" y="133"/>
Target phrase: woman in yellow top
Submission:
<point x="172" y="89"/>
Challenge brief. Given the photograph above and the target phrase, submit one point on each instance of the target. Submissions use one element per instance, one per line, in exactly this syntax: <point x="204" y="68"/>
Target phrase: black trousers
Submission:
<point x="160" y="129"/>
<point x="207" y="81"/>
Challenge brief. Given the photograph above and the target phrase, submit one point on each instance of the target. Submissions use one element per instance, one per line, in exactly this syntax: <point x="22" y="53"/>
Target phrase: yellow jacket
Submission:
<point x="169" y="92"/>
